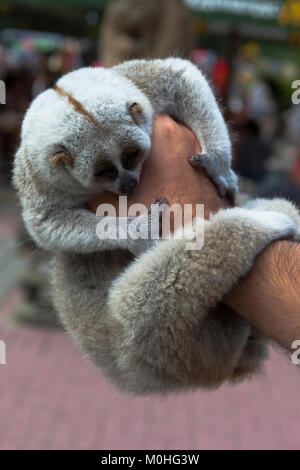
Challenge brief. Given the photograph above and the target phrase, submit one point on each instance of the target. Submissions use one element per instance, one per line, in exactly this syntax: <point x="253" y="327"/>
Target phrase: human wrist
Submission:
<point x="268" y="297"/>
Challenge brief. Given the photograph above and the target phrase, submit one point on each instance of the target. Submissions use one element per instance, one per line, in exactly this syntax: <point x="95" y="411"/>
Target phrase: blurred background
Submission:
<point x="50" y="398"/>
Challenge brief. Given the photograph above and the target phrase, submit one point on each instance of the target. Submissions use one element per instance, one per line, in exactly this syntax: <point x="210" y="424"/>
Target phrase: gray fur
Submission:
<point x="160" y="325"/>
<point x="155" y="323"/>
<point x="53" y="196"/>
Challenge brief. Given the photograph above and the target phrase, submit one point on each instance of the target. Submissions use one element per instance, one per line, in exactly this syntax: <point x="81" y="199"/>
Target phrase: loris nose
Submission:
<point x="128" y="184"/>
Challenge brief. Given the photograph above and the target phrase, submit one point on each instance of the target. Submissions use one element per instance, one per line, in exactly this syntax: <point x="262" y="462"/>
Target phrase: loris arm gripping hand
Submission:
<point x="178" y="88"/>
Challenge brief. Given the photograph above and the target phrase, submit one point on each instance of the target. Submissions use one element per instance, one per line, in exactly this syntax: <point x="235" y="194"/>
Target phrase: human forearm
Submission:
<point x="269" y="296"/>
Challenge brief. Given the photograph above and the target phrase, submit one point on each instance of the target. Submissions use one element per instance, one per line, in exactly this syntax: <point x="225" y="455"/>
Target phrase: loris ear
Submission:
<point x="62" y="157"/>
<point x="136" y="111"/>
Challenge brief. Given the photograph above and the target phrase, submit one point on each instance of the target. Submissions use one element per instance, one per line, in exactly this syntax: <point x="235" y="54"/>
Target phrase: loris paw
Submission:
<point x="219" y="171"/>
<point x="277" y="205"/>
<point x="149" y="227"/>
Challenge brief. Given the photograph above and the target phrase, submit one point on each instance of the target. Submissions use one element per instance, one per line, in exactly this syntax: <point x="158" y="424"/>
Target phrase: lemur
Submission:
<point x="92" y="132"/>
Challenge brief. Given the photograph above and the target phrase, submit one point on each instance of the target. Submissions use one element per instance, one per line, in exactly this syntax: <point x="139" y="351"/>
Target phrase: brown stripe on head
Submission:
<point x="76" y="105"/>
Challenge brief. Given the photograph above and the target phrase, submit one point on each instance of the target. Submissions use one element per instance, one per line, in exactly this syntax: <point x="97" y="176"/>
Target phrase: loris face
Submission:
<point x="118" y="168"/>
<point x="92" y="132"/>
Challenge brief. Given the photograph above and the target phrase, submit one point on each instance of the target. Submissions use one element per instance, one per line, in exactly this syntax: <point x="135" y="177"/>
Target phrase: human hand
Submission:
<point x="168" y="173"/>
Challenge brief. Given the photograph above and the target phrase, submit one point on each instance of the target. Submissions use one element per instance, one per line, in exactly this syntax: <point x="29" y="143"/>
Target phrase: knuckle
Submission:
<point x="169" y="125"/>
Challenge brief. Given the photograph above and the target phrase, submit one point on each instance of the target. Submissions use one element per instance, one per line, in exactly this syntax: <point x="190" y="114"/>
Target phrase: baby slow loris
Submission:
<point x="155" y="323"/>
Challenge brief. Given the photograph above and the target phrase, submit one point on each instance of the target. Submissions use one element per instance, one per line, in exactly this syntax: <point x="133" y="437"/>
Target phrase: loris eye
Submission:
<point x="110" y="173"/>
<point x="131" y="160"/>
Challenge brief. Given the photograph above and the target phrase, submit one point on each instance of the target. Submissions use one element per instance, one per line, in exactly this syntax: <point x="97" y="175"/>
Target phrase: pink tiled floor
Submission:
<point x="50" y="398"/>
